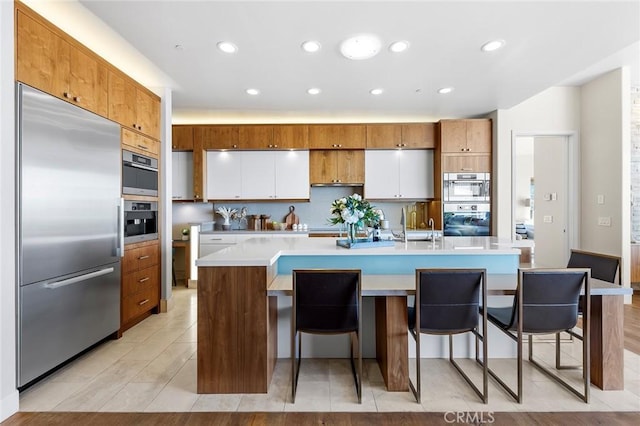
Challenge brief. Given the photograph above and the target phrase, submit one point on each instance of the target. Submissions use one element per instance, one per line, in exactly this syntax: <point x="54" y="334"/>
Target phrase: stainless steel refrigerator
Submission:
<point x="70" y="237"/>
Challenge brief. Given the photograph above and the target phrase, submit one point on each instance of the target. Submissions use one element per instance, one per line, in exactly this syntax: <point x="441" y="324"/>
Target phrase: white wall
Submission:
<point x="556" y="110"/>
<point x="524" y="172"/>
<point x="605" y="130"/>
<point x="8" y="392"/>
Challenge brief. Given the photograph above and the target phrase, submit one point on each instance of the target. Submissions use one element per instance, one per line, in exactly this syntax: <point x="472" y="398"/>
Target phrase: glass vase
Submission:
<point x="352" y="232"/>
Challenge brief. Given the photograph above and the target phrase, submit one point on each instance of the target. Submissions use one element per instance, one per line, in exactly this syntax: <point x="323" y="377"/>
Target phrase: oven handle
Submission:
<point x="140" y="166"/>
<point x="121" y="227"/>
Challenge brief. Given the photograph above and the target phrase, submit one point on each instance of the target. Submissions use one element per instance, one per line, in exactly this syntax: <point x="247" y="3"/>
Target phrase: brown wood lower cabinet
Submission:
<point x="237" y="336"/>
<point x="140" y="283"/>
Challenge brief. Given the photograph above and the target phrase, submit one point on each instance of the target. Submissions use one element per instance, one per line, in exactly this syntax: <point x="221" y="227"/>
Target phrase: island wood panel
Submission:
<point x="607" y="342"/>
<point x="391" y="341"/>
<point x="233" y="330"/>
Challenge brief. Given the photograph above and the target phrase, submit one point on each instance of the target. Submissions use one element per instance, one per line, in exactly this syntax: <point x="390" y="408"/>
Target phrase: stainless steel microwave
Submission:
<point x="466" y="187"/>
<point x="139" y="174"/>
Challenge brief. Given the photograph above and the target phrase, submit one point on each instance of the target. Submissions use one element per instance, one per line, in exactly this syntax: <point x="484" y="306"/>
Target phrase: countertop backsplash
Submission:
<point x="314" y="213"/>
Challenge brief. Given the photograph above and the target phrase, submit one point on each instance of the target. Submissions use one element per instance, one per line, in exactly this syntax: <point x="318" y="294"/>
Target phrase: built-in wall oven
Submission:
<point x="140" y="221"/>
<point x="139" y="174"/>
<point x="466" y="219"/>
<point x="466" y="187"/>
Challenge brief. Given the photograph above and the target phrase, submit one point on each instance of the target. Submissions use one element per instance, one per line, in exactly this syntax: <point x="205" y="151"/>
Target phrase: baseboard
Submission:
<point x="9" y="405"/>
<point x="167" y="304"/>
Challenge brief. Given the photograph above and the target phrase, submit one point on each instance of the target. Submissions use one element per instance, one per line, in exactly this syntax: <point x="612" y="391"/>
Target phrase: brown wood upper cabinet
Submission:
<point x="139" y="143"/>
<point x="132" y="106"/>
<point x="409" y="136"/>
<point x="465" y="136"/>
<point x="216" y="137"/>
<point x="291" y="136"/>
<point x="334" y="166"/>
<point x="182" y="138"/>
<point x="255" y="137"/>
<point x="46" y="61"/>
<point x="337" y="136"/>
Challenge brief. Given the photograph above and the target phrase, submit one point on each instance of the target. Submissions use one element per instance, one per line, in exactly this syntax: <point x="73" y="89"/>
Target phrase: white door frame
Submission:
<point x="573" y="207"/>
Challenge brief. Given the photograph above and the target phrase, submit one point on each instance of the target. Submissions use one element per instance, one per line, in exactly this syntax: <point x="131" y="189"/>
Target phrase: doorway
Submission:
<point x="544" y="196"/>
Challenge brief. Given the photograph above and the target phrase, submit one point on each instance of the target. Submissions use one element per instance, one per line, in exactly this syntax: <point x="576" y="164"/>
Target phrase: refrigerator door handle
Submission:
<point x="79" y="278"/>
<point x="121" y="227"/>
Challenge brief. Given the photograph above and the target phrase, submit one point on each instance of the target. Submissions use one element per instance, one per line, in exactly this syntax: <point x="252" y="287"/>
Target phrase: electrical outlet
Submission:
<point x="604" y="221"/>
<point x="547" y="219"/>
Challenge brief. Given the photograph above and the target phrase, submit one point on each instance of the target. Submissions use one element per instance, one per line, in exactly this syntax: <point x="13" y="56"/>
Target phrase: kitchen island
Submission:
<point x="244" y="293"/>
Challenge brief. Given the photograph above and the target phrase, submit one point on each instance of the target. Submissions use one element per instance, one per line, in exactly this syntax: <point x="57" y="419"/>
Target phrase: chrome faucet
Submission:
<point x="432" y="224"/>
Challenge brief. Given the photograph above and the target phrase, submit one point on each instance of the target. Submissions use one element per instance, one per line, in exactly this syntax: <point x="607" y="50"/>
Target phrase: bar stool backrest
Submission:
<point x="549" y="299"/>
<point x="449" y="300"/>
<point x="326" y="301"/>
<point x="603" y="266"/>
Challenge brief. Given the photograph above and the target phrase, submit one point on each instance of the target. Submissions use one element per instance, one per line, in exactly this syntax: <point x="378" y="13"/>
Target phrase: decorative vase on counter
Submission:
<point x="352" y="232"/>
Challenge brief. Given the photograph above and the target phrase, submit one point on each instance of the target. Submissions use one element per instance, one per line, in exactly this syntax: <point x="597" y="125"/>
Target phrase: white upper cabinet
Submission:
<point x="224" y="179"/>
<point x="257" y="175"/>
<point x="292" y="174"/>
<point x="399" y="174"/>
<point x="182" y="175"/>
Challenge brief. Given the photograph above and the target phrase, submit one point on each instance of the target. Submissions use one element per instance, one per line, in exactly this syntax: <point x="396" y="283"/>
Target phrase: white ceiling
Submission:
<point x="548" y="44"/>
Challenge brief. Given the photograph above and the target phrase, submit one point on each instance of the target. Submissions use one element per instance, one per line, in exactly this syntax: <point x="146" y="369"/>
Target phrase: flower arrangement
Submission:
<point x="354" y="212"/>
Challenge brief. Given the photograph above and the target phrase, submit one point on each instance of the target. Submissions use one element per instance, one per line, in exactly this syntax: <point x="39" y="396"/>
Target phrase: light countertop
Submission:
<point x="266" y="251"/>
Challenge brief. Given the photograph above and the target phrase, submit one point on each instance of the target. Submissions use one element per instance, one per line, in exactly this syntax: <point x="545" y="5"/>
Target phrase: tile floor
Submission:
<point x="152" y="368"/>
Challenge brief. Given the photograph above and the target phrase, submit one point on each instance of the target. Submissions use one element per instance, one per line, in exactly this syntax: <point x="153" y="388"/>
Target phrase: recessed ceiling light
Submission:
<point x="227" y="47"/>
<point x="376" y="91"/>
<point x="253" y="92"/>
<point x="363" y="46"/>
<point x="445" y="90"/>
<point x="492" y="45"/>
<point x="313" y="91"/>
<point x="311" y="46"/>
<point x="399" y="46"/>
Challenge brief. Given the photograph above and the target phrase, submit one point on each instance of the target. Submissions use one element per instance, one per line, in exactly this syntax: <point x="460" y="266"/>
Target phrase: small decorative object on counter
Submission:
<point x="226" y="214"/>
<point x="376" y="232"/>
<point x="185" y="234"/>
<point x="291" y="218"/>
<point x="355" y="213"/>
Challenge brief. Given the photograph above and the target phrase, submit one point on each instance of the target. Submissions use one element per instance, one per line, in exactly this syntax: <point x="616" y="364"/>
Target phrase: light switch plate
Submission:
<point x="604" y="221"/>
<point x="600" y="199"/>
<point x="547" y="219"/>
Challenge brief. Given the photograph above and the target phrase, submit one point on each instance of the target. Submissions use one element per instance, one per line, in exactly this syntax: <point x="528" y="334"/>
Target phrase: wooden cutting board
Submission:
<point x="291" y="218"/>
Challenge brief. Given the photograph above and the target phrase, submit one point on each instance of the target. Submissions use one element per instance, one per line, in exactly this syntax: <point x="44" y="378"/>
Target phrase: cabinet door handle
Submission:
<point x="143" y="279"/>
<point x="76" y="98"/>
<point x="66" y="95"/>
<point x="275" y="146"/>
<point x="143" y="302"/>
<point x="235" y="146"/>
<point x="466" y="169"/>
<point x="135" y="126"/>
<point x="143" y="257"/>
<point x="143" y="147"/>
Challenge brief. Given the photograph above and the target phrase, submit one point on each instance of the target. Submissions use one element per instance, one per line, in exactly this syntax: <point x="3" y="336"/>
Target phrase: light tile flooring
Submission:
<point x="152" y="368"/>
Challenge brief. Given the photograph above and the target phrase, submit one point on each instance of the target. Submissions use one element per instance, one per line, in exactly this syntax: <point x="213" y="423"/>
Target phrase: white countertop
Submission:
<point x="266" y="251"/>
